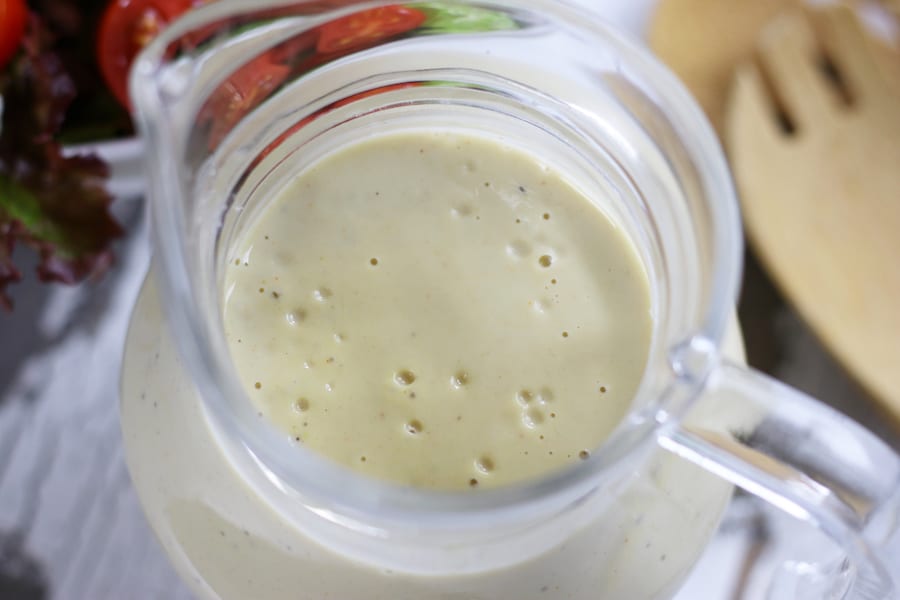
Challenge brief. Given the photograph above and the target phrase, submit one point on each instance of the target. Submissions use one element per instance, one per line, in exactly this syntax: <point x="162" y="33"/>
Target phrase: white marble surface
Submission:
<point x="70" y="524"/>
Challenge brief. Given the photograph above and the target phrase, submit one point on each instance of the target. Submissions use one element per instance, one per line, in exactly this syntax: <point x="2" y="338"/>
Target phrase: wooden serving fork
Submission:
<point x="813" y="134"/>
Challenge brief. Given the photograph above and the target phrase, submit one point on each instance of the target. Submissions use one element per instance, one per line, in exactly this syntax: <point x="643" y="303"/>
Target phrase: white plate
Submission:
<point x="126" y="177"/>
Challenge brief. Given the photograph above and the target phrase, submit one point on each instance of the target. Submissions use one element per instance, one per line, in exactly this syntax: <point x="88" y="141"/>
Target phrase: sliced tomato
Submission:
<point x="13" y="17"/>
<point x="126" y="27"/>
<point x="310" y="118"/>
<point x="244" y="90"/>
<point x="250" y="85"/>
<point x="367" y="27"/>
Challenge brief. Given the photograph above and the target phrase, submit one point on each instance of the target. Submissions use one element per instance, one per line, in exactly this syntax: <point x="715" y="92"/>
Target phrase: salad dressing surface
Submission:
<point x="438" y="310"/>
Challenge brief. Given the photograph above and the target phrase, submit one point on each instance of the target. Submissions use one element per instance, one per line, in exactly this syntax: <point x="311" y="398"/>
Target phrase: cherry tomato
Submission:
<point x="126" y="27"/>
<point x="13" y="17"/>
<point x="367" y="27"/>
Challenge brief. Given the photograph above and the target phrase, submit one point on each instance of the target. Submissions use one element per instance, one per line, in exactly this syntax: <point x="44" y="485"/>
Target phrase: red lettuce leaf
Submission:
<point x="55" y="204"/>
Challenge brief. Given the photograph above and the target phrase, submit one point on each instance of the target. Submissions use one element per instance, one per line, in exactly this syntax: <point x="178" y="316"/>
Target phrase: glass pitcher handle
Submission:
<point x="811" y="462"/>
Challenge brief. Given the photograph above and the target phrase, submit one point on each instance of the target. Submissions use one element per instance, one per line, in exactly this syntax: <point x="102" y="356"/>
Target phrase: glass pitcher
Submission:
<point x="235" y="97"/>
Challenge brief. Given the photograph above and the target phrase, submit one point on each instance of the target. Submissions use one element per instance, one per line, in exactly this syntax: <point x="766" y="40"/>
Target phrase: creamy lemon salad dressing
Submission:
<point x="440" y="310"/>
<point x="450" y="310"/>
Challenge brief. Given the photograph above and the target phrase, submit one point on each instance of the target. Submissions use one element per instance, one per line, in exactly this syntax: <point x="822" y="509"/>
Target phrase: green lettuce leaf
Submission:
<point x="451" y="18"/>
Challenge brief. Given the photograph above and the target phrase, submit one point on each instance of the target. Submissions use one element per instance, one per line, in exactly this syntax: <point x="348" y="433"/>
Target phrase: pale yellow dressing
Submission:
<point x="439" y="310"/>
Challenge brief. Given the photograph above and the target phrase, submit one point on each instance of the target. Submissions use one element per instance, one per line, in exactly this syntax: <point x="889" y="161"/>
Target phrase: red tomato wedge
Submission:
<point x="126" y="27"/>
<point x="367" y="27"/>
<point x="306" y="120"/>
<point x="243" y="91"/>
<point x="13" y="17"/>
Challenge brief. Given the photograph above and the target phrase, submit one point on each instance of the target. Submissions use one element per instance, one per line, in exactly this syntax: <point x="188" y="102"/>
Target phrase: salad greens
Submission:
<point x="55" y="204"/>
